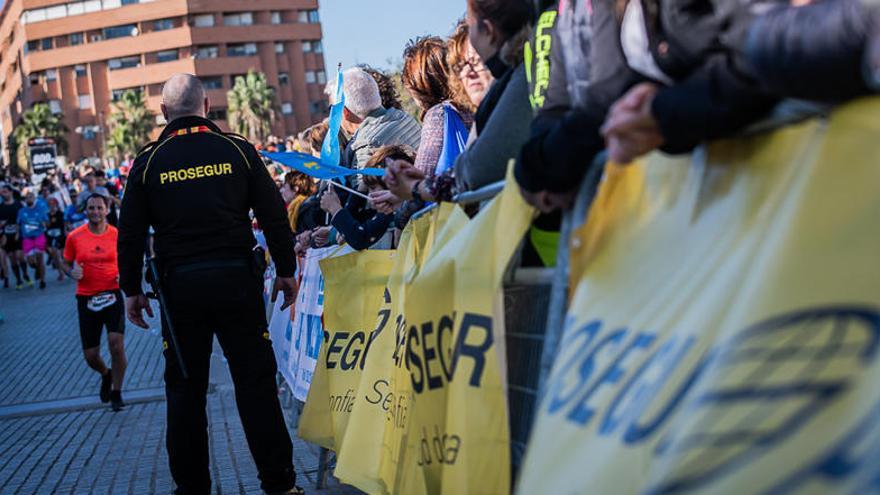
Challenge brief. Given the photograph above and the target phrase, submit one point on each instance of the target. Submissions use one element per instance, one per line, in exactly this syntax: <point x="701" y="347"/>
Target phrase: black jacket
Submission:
<point x="361" y="225"/>
<point x="813" y="52"/>
<point x="196" y="187"/>
<point x="713" y="95"/>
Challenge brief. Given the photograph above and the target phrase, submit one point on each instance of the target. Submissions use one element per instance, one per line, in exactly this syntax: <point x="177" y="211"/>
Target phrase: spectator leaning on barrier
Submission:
<point x="669" y="84"/>
<point x="361" y="226"/>
<point x="467" y="68"/>
<point x="369" y="124"/>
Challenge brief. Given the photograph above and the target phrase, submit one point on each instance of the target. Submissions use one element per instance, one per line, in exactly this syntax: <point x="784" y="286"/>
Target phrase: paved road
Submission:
<point x="56" y="436"/>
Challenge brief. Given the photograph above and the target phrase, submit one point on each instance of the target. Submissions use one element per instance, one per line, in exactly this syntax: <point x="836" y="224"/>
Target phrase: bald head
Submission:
<point x="183" y="95"/>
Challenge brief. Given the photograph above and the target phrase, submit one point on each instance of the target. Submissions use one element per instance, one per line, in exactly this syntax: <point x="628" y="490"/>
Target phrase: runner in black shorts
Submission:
<point x="55" y="236"/>
<point x="10" y="243"/>
<point x="90" y="259"/>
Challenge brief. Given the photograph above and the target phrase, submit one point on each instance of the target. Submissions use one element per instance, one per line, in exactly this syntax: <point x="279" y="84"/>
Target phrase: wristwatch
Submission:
<point x="415" y="191"/>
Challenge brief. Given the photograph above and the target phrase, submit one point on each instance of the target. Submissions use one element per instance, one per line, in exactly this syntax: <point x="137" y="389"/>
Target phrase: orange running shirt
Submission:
<point x="96" y="254"/>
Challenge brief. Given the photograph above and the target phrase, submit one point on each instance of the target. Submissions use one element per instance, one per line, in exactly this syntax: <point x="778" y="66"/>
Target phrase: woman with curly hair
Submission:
<point x="427" y="77"/>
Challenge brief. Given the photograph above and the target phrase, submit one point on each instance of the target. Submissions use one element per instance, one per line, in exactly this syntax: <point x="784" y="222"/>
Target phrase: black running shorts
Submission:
<point x="91" y="323"/>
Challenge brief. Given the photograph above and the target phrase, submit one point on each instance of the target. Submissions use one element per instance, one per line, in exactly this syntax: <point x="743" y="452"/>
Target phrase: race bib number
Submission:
<point x="101" y="301"/>
<point x="54" y="233"/>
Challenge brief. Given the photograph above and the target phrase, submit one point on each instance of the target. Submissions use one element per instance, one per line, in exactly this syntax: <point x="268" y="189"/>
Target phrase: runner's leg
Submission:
<point x="116" y="342"/>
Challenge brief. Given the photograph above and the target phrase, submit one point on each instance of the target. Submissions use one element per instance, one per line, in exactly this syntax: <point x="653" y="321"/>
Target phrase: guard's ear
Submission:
<point x="207" y="105"/>
<point x="164" y="111"/>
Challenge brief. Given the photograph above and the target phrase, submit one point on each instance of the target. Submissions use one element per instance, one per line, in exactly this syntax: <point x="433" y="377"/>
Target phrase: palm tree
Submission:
<point x="39" y="121"/>
<point x="129" y="125"/>
<point x="251" y="102"/>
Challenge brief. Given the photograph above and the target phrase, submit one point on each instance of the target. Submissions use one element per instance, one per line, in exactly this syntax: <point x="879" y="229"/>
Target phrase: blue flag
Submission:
<point x="455" y="135"/>
<point x="330" y="150"/>
<point x="318" y="168"/>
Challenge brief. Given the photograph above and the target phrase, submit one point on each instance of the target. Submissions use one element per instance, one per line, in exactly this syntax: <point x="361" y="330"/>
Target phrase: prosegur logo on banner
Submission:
<point x="742" y="399"/>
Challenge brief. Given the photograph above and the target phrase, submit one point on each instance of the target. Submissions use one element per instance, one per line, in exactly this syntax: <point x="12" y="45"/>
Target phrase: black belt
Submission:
<point x="209" y="265"/>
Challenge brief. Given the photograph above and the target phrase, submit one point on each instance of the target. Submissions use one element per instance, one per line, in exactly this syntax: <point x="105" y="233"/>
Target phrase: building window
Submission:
<point x="116" y="94"/>
<point x="241" y="49"/>
<point x="217" y="114"/>
<point x="32" y="46"/>
<point x="167" y="55"/>
<point x="163" y="24"/>
<point x="318" y="46"/>
<point x="317" y="107"/>
<point x="322" y="77"/>
<point x="85" y="101"/>
<point x="76" y="39"/>
<point x="309" y="16"/>
<point x="307" y="47"/>
<point x="279" y="47"/>
<point x="283" y="79"/>
<point x="238" y="19"/>
<point x="80" y="70"/>
<point x="130" y="2"/>
<point x="207" y="51"/>
<point x="233" y="77"/>
<point x="120" y="31"/>
<point x="124" y="62"/>
<point x="275" y="17"/>
<point x="55" y="106"/>
<point x="212" y="82"/>
<point x="34" y="78"/>
<point x="310" y="77"/>
<point x="286" y="108"/>
<point x="203" y="20"/>
<point x="51" y="74"/>
<point x="46" y="43"/>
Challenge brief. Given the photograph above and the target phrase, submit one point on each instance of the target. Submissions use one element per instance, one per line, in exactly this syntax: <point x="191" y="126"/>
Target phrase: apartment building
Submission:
<point x="78" y="56"/>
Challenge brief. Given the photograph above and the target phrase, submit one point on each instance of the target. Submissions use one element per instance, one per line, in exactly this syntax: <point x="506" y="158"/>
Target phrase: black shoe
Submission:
<point x="116" y="401"/>
<point x="5" y="283"/>
<point x="42" y="284"/>
<point x="106" y="383"/>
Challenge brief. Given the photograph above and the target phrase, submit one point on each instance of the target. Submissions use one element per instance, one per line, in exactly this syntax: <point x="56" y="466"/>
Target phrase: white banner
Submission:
<point x="306" y="331"/>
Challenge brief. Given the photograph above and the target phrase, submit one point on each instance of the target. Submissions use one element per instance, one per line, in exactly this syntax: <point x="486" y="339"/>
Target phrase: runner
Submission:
<point x="32" y="221"/>
<point x="55" y="236"/>
<point x="73" y="218"/>
<point x="90" y="259"/>
<point x="11" y="243"/>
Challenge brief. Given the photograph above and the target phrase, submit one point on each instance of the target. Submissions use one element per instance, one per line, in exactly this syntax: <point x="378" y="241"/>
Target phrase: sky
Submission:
<point x="376" y="31"/>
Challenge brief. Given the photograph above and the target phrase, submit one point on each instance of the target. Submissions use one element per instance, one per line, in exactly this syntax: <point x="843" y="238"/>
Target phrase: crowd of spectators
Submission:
<point x="544" y="85"/>
<point x="549" y="85"/>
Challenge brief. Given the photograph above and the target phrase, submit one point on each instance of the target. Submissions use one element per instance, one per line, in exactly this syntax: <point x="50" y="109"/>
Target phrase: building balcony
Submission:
<point x="104" y="50"/>
<point x="200" y="6"/>
<point x="256" y="33"/>
<point x="127" y="14"/>
<point x="148" y="74"/>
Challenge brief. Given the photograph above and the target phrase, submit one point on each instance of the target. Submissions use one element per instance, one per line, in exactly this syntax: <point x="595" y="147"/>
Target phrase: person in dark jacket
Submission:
<point x="361" y="226"/>
<point x="692" y="89"/>
<point x="195" y="187"/>
<point x="816" y="51"/>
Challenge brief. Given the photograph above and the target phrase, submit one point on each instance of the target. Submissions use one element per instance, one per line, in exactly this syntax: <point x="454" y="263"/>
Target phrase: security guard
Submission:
<point x="196" y="186"/>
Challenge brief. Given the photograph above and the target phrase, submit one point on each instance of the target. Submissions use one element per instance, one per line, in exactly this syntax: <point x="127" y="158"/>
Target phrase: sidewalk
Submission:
<point x="56" y="436"/>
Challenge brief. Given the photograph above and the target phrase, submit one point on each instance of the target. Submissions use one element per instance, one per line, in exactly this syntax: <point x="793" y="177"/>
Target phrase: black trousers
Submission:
<point x="227" y="302"/>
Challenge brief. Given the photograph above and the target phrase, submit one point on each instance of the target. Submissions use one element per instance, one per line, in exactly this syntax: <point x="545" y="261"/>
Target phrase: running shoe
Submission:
<point x="19" y="286"/>
<point x="106" y="384"/>
<point x="42" y="284"/>
<point x="116" y="400"/>
<point x="28" y="283"/>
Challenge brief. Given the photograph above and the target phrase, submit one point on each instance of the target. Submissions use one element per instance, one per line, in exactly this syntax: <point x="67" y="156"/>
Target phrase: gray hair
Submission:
<point x="361" y="92"/>
<point x="183" y="95"/>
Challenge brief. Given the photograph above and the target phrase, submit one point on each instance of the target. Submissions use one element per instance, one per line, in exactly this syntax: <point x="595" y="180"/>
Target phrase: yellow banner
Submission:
<point x="449" y="360"/>
<point x="362" y="454"/>
<point x="723" y="332"/>
<point x="354" y="293"/>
